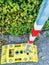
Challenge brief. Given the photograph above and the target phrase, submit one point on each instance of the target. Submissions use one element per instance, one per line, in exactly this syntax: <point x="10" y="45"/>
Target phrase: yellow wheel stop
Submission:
<point x="15" y="53"/>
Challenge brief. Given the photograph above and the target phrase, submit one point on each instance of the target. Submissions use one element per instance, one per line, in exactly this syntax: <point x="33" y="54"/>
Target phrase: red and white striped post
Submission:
<point x="39" y="23"/>
<point x="35" y="31"/>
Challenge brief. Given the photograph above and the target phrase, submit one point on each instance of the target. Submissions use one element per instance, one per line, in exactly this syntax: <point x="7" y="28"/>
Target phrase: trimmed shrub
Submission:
<point x="18" y="16"/>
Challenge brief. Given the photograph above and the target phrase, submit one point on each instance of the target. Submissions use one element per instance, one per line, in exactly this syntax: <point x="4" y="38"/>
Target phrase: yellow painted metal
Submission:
<point x="15" y="53"/>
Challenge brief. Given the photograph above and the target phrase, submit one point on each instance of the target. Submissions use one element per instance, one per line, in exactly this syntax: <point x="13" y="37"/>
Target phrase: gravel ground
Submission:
<point x="42" y="45"/>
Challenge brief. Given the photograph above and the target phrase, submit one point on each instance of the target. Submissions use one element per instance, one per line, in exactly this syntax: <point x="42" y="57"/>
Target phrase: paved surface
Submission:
<point x="42" y="45"/>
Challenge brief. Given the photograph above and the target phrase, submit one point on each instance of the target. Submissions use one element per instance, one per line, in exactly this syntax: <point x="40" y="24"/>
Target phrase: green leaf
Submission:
<point x="1" y="1"/>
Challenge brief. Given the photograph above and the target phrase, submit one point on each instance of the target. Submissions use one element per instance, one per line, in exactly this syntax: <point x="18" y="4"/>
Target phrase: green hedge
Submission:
<point x="18" y="16"/>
